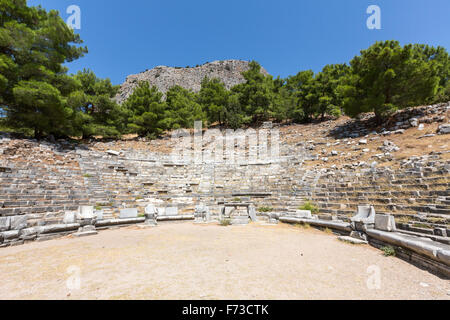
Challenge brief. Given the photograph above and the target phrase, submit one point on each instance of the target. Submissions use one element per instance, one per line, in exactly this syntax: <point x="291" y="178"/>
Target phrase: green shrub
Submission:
<point x="388" y="251"/>
<point x="309" y="206"/>
<point x="225" y="222"/>
<point x="265" y="209"/>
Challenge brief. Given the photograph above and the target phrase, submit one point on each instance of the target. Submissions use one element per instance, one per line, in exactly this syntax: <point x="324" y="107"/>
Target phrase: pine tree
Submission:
<point x="213" y="97"/>
<point x="387" y="77"/>
<point x="147" y="114"/>
<point x="34" y="85"/>
<point x="183" y="108"/>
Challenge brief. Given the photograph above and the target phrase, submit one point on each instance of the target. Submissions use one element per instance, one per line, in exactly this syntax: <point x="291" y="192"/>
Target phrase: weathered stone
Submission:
<point x="441" y="232"/>
<point x="364" y="218"/>
<point x="85" y="212"/>
<point x="151" y="210"/>
<point x="252" y="213"/>
<point x="5" y="223"/>
<point x="59" y="228"/>
<point x="86" y="231"/>
<point x="228" y="71"/>
<point x="10" y="235"/>
<point x="98" y="214"/>
<point x="128" y="213"/>
<point x="303" y="214"/>
<point x="69" y="217"/>
<point x="444" y="129"/>
<point x="202" y="214"/>
<point x="113" y="153"/>
<point x="385" y="222"/>
<point x="18" y="222"/>
<point x="352" y="240"/>
<point x="29" y="233"/>
<point x="414" y="122"/>
<point x="171" y="211"/>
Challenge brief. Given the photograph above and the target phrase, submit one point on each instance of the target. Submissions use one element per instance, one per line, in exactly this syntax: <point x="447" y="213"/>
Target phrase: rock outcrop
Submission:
<point x="228" y="71"/>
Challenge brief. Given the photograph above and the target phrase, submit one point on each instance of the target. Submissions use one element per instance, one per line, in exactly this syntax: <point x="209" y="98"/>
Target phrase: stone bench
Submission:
<point x="171" y="214"/>
<point x="430" y="249"/>
<point x="335" y="225"/>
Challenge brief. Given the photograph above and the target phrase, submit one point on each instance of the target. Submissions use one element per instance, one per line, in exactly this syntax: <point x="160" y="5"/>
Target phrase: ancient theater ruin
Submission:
<point x="385" y="189"/>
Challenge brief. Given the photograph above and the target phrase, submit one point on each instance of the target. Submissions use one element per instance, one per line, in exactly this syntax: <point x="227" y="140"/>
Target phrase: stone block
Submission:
<point x="18" y="222"/>
<point x="29" y="233"/>
<point x="365" y="215"/>
<point x="385" y="222"/>
<point x="325" y="217"/>
<point x="128" y="213"/>
<point x="86" y="231"/>
<point x="151" y="209"/>
<point x="171" y="211"/>
<point x="69" y="217"/>
<point x="10" y="235"/>
<point x="5" y="223"/>
<point x="444" y="129"/>
<point x="441" y="232"/>
<point x="202" y="213"/>
<point x="85" y="212"/>
<point x="98" y="214"/>
<point x="240" y="220"/>
<point x="252" y="213"/>
<point x="306" y="214"/>
<point x="113" y="153"/>
<point x="352" y="240"/>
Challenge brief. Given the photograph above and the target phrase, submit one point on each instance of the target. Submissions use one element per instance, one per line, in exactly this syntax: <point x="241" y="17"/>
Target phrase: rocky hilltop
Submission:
<point x="228" y="71"/>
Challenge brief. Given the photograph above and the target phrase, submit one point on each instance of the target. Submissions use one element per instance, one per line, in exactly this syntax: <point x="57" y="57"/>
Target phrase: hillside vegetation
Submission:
<point x="38" y="97"/>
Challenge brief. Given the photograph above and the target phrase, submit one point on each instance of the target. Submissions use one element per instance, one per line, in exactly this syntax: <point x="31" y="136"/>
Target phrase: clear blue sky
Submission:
<point x="285" y="36"/>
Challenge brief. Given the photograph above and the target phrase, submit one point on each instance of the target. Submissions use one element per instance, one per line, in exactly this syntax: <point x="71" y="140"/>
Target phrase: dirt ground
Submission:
<point x="187" y="261"/>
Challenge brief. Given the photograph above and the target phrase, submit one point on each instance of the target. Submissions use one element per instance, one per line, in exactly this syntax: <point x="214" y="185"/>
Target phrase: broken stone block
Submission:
<point x="86" y="231"/>
<point x="444" y="129"/>
<point x="364" y="218"/>
<point x="151" y="214"/>
<point x="414" y="122"/>
<point x="252" y="213"/>
<point x="352" y="240"/>
<point x="202" y="214"/>
<point x="113" y="153"/>
<point x="363" y="141"/>
<point x="441" y="232"/>
<point x="385" y="222"/>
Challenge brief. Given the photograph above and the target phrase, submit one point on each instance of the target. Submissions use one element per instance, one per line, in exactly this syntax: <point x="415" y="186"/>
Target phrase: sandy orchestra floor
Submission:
<point x="187" y="261"/>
